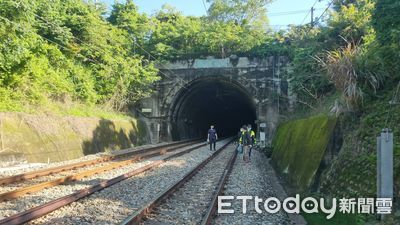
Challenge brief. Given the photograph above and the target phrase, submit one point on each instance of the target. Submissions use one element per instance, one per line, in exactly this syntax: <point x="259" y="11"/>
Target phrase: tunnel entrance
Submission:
<point x="221" y="102"/>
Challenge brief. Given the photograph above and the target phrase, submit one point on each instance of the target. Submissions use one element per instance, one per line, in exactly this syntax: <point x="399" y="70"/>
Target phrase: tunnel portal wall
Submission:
<point x="261" y="80"/>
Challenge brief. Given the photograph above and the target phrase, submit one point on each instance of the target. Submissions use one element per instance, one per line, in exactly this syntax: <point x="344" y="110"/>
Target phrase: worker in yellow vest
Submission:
<point x="246" y="142"/>
<point x="253" y="139"/>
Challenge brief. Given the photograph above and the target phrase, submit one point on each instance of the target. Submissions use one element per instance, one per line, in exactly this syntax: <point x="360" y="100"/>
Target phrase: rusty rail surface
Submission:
<point x="49" y="171"/>
<point x="136" y="217"/>
<point x="46" y="208"/>
<point x="37" y="187"/>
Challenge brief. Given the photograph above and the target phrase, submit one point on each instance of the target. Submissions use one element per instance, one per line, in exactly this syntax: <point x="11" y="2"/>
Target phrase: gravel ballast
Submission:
<point x="113" y="204"/>
<point x="187" y="206"/>
<point x="250" y="179"/>
<point x="24" y="168"/>
<point x="190" y="202"/>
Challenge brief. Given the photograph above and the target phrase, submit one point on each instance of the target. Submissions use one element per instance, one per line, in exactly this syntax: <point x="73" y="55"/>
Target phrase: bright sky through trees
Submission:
<point x="281" y="12"/>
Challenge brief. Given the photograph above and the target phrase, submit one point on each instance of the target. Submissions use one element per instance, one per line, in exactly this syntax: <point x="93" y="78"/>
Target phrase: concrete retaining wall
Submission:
<point x="43" y="138"/>
<point x="299" y="147"/>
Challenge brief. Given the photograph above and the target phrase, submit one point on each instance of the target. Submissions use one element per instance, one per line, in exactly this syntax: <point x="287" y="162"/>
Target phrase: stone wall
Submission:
<point x="262" y="78"/>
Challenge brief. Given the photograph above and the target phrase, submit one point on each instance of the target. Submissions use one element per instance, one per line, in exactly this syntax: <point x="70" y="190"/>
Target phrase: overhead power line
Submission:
<point x="91" y="46"/>
<point x="330" y="4"/>
<point x="47" y="39"/>
<point x="391" y="103"/>
<point x="205" y="7"/>
<point x="291" y="12"/>
<point x="101" y="50"/>
<point x="309" y="12"/>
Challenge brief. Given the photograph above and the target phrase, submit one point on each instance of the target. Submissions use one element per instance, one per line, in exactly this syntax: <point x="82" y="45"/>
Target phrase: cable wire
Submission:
<point x="309" y="11"/>
<point x="100" y="49"/>
<point x="49" y="40"/>
<point x="205" y="7"/>
<point x="392" y="102"/>
<point x="93" y="46"/>
<point x="318" y="18"/>
<point x="284" y="13"/>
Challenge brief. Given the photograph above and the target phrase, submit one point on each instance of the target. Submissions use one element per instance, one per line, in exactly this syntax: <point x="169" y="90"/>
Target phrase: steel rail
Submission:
<point x="136" y="217"/>
<point x="49" y="171"/>
<point x="46" y="208"/>
<point x="221" y="185"/>
<point x="40" y="186"/>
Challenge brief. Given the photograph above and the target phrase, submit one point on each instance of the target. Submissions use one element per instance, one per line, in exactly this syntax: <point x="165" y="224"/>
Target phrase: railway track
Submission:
<point x="49" y="171"/>
<point x="193" y="199"/>
<point x="69" y="173"/>
<point x="44" y="209"/>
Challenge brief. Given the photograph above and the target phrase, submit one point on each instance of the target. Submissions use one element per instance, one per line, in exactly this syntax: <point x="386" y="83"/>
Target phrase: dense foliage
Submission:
<point x="175" y="36"/>
<point x="73" y="50"/>
<point x="66" y="50"/>
<point x="352" y="51"/>
<point x="386" y="22"/>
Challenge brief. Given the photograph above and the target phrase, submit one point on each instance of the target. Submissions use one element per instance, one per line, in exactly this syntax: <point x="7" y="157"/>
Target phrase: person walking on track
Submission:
<point x="253" y="139"/>
<point x="245" y="141"/>
<point x="239" y="146"/>
<point x="212" y="137"/>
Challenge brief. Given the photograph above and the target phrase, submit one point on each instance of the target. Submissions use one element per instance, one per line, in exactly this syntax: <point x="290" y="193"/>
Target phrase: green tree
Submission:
<point x="351" y="20"/>
<point x="386" y="23"/>
<point x="251" y="13"/>
<point x="174" y="35"/>
<point x="56" y="50"/>
<point x="127" y="17"/>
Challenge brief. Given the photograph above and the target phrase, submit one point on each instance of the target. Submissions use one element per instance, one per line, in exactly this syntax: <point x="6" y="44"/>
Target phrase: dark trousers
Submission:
<point x="250" y="151"/>
<point x="211" y="144"/>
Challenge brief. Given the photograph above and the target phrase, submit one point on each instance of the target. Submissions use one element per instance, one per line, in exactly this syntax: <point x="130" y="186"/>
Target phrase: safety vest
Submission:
<point x="253" y="136"/>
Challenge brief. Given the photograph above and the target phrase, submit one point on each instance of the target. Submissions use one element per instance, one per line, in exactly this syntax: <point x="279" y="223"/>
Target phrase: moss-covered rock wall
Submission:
<point x="43" y="138"/>
<point x="299" y="146"/>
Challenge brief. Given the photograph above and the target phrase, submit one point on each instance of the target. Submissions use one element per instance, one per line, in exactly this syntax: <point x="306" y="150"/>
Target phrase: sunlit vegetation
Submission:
<point x="72" y="57"/>
<point x="66" y="51"/>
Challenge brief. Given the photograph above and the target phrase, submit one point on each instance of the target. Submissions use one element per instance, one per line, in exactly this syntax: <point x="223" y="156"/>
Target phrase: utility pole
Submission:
<point x="385" y="169"/>
<point x="312" y="16"/>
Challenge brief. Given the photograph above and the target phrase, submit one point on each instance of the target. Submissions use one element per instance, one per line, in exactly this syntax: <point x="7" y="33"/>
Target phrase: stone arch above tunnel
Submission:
<point x="259" y="79"/>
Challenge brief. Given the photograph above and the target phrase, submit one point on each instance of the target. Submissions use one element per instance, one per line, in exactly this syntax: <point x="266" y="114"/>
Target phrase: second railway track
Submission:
<point x="35" y="181"/>
<point x="36" y="173"/>
<point x="28" y="202"/>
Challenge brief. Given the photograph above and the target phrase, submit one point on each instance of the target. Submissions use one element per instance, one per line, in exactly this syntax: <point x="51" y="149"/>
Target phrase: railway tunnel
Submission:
<point x="217" y="101"/>
<point x="226" y="92"/>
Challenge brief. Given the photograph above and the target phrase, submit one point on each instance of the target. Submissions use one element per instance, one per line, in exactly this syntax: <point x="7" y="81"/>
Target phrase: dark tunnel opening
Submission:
<point x="211" y="101"/>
